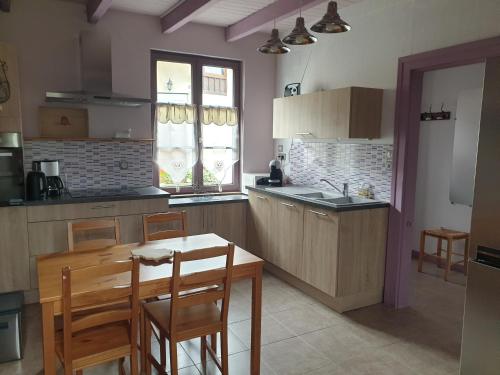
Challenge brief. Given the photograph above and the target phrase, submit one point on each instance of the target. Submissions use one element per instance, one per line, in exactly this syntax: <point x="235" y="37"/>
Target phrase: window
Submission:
<point x="201" y="153"/>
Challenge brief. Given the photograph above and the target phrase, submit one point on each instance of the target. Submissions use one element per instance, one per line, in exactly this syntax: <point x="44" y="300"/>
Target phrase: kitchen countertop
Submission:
<point x="207" y="199"/>
<point x="290" y="192"/>
<point x="89" y="196"/>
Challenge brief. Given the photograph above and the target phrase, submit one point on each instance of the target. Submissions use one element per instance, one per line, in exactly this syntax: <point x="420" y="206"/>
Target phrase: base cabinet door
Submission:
<point x="228" y="221"/>
<point x="258" y="224"/>
<point x="320" y="249"/>
<point x="14" y="252"/>
<point x="287" y="235"/>
<point x="195" y="218"/>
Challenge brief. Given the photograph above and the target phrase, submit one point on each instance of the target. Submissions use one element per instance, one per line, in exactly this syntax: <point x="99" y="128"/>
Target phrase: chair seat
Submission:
<point x="445" y="233"/>
<point x="205" y="317"/>
<point x="97" y="345"/>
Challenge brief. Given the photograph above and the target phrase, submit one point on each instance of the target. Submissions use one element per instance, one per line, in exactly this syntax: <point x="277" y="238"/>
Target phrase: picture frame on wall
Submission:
<point x="292" y="89"/>
<point x="57" y="122"/>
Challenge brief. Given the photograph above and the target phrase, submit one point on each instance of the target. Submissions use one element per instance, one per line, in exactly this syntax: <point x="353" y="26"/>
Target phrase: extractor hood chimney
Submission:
<point x="96" y="76"/>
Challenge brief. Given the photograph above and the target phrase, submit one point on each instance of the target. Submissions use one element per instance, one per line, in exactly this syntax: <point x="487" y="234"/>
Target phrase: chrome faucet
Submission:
<point x="344" y="192"/>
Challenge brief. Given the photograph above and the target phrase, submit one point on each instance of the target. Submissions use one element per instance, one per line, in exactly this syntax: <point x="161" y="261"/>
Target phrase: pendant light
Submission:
<point x="331" y="22"/>
<point x="299" y="35"/>
<point x="274" y="45"/>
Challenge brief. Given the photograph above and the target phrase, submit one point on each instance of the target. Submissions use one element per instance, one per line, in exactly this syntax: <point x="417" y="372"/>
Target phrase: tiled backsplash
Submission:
<point x="94" y="164"/>
<point x="341" y="162"/>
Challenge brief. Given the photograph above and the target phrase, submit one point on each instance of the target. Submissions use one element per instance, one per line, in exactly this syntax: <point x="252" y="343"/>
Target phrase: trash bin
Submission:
<point x="11" y="306"/>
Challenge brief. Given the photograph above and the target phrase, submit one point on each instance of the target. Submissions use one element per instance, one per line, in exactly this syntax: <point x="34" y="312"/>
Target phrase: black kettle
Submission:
<point x="36" y="186"/>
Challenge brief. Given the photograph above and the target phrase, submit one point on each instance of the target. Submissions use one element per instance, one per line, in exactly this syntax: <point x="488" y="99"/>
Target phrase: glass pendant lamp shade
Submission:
<point x="331" y="22"/>
<point x="299" y="35"/>
<point x="274" y="45"/>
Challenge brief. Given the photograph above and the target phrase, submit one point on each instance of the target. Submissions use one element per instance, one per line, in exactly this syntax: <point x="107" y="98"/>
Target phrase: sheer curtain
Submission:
<point x="176" y="151"/>
<point x="220" y="142"/>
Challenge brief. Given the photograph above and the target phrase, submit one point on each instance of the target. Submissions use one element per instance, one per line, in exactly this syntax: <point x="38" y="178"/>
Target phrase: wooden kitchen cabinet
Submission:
<point x="320" y="250"/>
<point x="195" y="218"/>
<point x="259" y="224"/>
<point x="228" y="221"/>
<point x="287" y="235"/>
<point x="14" y="252"/>
<point x="351" y="112"/>
<point x="10" y="111"/>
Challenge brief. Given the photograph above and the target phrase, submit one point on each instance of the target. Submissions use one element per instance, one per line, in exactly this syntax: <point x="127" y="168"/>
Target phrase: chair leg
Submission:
<point x="142" y="341"/>
<point x="173" y="357"/>
<point x="224" y="352"/>
<point x="466" y="256"/>
<point x="438" y="251"/>
<point x="213" y="342"/>
<point x="449" y="249"/>
<point x="163" y="351"/>
<point x="147" y="345"/>
<point x="421" y="253"/>
<point x="203" y="350"/>
<point x="121" y="369"/>
<point x="134" y="361"/>
<point x="80" y="372"/>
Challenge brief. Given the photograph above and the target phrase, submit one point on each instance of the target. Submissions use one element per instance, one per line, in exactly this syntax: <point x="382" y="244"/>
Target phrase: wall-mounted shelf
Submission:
<point x="48" y="139"/>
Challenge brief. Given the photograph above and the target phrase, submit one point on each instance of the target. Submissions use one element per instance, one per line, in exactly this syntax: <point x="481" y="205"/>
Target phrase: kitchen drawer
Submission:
<point x="98" y="209"/>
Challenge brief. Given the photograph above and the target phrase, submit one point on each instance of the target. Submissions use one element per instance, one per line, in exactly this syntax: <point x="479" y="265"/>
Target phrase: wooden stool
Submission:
<point x="449" y="235"/>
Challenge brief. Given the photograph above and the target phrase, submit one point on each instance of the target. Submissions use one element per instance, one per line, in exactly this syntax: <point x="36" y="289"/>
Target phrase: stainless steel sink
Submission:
<point x="316" y="195"/>
<point x="347" y="200"/>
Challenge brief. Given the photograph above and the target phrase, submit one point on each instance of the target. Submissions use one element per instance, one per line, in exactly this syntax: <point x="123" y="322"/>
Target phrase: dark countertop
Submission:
<point x="207" y="199"/>
<point x="289" y="192"/>
<point x="90" y="196"/>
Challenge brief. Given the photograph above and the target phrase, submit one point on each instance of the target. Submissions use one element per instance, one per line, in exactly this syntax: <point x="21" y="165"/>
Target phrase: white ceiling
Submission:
<point x="226" y="12"/>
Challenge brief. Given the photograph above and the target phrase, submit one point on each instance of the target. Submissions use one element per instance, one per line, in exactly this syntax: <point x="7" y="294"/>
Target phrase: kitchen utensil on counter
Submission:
<point x="36" y="186"/>
<point x="50" y="168"/>
<point x="276" y="175"/>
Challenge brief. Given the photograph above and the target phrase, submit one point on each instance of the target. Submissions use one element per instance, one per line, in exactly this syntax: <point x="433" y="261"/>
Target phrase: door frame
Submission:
<point x="411" y="70"/>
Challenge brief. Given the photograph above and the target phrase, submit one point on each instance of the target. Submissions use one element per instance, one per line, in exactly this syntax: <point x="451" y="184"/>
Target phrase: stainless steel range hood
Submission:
<point x="96" y="76"/>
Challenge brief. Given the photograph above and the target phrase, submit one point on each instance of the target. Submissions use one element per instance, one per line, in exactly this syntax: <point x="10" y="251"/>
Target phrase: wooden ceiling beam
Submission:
<point x="96" y="9"/>
<point x="184" y="13"/>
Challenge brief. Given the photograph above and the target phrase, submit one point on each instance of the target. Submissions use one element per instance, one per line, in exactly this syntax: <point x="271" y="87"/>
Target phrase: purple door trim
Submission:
<point x="404" y="170"/>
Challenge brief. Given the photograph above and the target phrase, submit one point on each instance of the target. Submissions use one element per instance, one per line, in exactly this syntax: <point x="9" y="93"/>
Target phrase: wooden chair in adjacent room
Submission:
<point x="91" y="234"/>
<point x="192" y="310"/>
<point x="179" y="219"/>
<point x="100" y="316"/>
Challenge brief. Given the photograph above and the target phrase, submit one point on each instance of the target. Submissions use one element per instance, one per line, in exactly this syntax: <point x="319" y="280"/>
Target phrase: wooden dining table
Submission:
<point x="154" y="281"/>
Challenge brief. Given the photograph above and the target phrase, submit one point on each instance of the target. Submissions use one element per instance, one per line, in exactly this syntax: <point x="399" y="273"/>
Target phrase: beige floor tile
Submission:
<point x="239" y="364"/>
<point x="304" y="319"/>
<point x="272" y="331"/>
<point x="331" y="369"/>
<point x="192" y="347"/>
<point x="293" y="357"/>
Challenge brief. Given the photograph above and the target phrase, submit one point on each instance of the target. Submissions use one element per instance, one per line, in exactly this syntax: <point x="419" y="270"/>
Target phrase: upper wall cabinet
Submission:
<point x="10" y="107"/>
<point x="351" y="112"/>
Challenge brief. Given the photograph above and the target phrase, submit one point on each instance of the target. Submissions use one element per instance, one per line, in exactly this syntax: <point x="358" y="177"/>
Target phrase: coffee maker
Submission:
<point x="276" y="175"/>
<point x="50" y="168"/>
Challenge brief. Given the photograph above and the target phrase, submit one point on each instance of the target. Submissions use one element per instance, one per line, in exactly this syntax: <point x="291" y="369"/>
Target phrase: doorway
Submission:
<point x="406" y="140"/>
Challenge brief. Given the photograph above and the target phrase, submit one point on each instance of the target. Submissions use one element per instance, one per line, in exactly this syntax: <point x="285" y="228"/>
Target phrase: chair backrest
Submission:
<point x="92" y="233"/>
<point x="180" y="218"/>
<point x="203" y="287"/>
<point x="112" y="296"/>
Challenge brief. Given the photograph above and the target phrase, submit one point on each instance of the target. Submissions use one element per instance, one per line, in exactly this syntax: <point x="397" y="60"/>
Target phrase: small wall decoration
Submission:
<point x="435" y="116"/>
<point x="58" y="122"/>
<point x="292" y="89"/>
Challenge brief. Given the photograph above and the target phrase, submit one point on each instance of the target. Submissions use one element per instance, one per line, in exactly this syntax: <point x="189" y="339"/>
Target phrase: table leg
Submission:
<point x="448" y="258"/>
<point x="466" y="255"/>
<point x="48" y="331"/>
<point x="256" y="322"/>
<point x="438" y="251"/>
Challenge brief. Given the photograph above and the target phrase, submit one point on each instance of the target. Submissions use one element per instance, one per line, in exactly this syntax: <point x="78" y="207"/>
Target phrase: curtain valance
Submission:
<point x="175" y="113"/>
<point x="219" y="115"/>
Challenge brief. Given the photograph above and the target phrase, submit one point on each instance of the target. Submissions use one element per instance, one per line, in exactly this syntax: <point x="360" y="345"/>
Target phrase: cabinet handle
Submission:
<point x="303" y="133"/>
<point x="101" y="207"/>
<point x="260" y="197"/>
<point x="318" y="213"/>
<point x="287" y="204"/>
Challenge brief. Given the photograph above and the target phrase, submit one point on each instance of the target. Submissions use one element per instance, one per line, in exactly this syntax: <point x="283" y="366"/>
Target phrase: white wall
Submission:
<point x="382" y="31"/>
<point x="433" y="208"/>
<point x="45" y="33"/>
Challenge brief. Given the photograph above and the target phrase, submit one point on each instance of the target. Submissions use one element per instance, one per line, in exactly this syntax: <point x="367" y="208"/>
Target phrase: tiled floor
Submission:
<point x="301" y="336"/>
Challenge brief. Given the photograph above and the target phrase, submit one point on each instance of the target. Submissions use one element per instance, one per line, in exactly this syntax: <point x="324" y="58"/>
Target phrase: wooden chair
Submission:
<point x="85" y="228"/>
<point x="449" y="236"/>
<point x="164" y="218"/>
<point x="192" y="310"/>
<point x="99" y="323"/>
